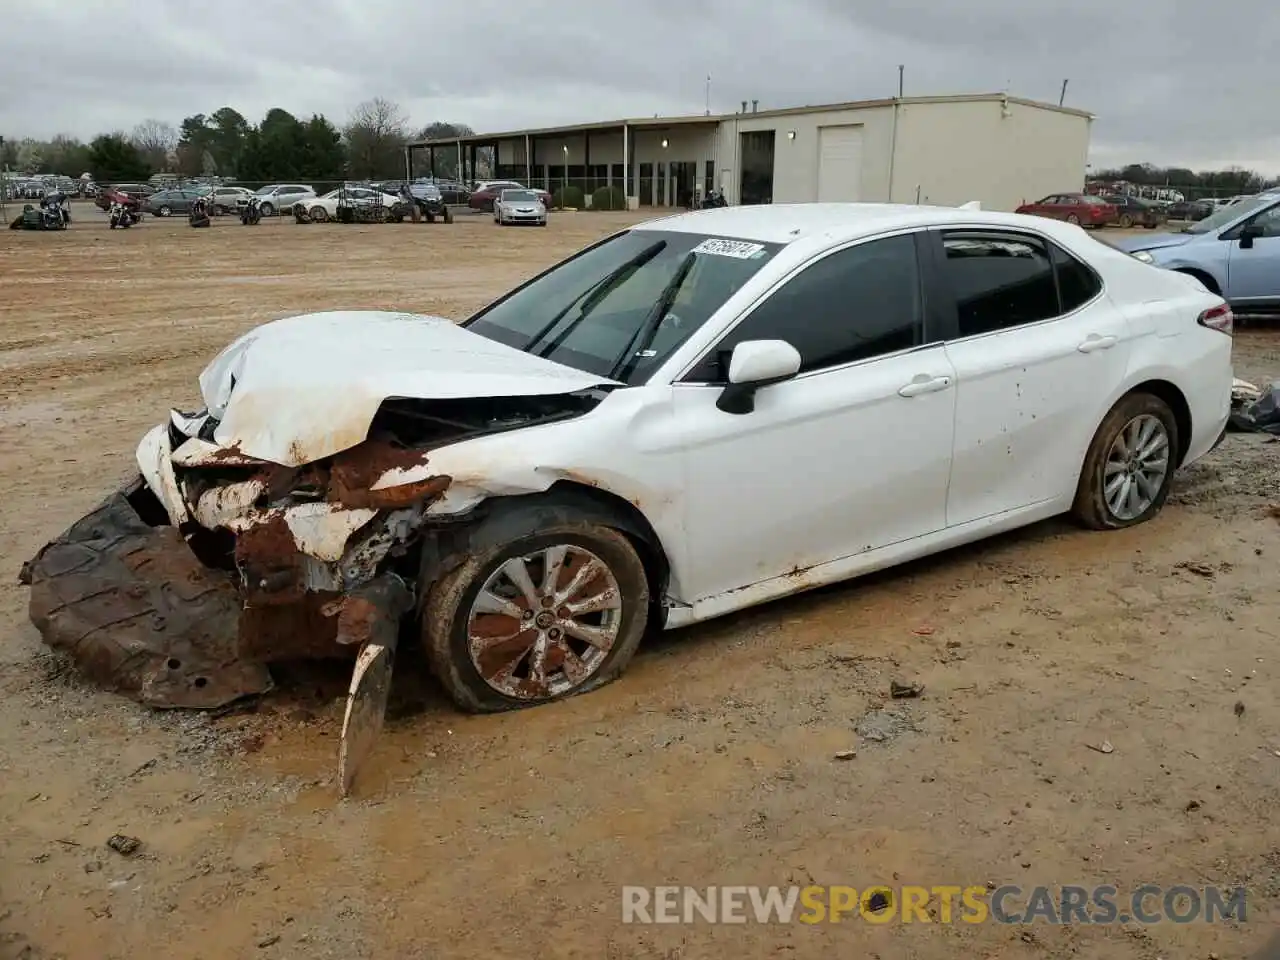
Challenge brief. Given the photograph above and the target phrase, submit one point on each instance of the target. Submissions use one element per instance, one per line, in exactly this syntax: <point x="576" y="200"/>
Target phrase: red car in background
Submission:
<point x="1080" y="208"/>
<point x="483" y="198"/>
<point x="131" y="195"/>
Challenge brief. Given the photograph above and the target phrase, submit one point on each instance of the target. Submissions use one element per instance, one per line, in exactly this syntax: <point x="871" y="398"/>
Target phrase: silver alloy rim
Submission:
<point x="1136" y="467"/>
<point x="544" y="623"/>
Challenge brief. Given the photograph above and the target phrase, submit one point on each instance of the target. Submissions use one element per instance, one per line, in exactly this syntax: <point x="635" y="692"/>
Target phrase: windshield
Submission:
<point x="1225" y="215"/>
<point x="519" y="196"/>
<point x="587" y="311"/>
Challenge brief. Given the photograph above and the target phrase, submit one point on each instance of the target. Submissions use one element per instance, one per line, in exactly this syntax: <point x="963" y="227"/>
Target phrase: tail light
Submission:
<point x="1218" y="318"/>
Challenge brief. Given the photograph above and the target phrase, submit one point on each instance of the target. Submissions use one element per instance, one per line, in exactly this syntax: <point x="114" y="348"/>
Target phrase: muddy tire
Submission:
<point x="139" y="614"/>
<point x="1130" y="464"/>
<point x="485" y="658"/>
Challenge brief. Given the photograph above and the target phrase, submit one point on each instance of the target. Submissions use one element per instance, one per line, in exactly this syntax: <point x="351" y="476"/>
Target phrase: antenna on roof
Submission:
<point x="1063" y="95"/>
<point x="708" y="95"/>
<point x="901" y="68"/>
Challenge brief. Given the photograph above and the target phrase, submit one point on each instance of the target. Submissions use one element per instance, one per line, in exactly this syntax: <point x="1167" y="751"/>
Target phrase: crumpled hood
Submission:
<point x="299" y="389"/>
<point x="1134" y="244"/>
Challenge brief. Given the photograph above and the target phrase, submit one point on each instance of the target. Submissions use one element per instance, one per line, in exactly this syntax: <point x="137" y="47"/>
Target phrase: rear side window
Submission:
<point x="854" y="304"/>
<point x="1008" y="280"/>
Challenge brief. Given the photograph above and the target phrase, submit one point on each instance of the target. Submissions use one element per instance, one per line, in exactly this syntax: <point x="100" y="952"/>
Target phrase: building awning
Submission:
<point x="607" y="126"/>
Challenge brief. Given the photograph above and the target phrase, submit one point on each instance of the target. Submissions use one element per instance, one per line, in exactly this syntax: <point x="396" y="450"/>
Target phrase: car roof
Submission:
<point x="788" y="222"/>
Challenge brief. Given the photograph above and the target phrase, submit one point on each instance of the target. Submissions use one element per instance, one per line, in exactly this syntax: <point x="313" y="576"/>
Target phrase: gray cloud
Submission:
<point x="1164" y="90"/>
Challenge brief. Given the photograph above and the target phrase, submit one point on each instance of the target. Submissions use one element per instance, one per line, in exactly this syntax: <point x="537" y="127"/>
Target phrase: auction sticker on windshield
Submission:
<point x="739" y="249"/>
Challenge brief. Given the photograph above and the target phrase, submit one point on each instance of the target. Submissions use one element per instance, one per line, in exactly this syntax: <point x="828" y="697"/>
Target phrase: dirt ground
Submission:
<point x="710" y="763"/>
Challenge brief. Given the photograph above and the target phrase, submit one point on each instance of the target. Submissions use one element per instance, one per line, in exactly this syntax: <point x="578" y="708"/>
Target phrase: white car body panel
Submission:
<point x="329" y="202"/>
<point x="835" y="473"/>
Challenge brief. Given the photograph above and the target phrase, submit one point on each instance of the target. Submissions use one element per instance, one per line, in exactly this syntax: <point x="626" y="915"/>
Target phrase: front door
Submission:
<point x="1034" y="359"/>
<point x="851" y="455"/>
<point x="1253" y="273"/>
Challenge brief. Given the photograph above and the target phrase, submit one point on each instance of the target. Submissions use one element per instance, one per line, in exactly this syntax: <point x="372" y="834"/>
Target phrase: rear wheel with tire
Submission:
<point x="1073" y="219"/>
<point x="318" y="214"/>
<point x="165" y="211"/>
<point x="266" y="210"/>
<point x="547" y="614"/>
<point x="1126" y="221"/>
<point x="1129" y="467"/>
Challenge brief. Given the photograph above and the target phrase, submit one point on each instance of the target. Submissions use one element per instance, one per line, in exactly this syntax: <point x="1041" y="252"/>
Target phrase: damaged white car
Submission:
<point x="690" y="417"/>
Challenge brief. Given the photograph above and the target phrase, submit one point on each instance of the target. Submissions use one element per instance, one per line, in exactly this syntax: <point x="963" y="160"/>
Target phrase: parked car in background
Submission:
<point x="1135" y="212"/>
<point x="166" y="203"/>
<point x="139" y="191"/>
<point x="228" y="199"/>
<point x="519" y="206"/>
<point x="452" y="191"/>
<point x="1079" y="208"/>
<point x="326" y="207"/>
<point x="1189" y="210"/>
<point x="276" y="197"/>
<point x="109" y="195"/>
<point x="486" y="194"/>
<point x="1234" y="252"/>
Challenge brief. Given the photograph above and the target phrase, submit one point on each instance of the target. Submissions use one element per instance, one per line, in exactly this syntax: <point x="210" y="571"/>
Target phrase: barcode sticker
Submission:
<point x="739" y="249"/>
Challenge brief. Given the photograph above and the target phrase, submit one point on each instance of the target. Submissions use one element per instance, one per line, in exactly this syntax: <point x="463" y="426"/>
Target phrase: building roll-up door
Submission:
<point x="840" y="163"/>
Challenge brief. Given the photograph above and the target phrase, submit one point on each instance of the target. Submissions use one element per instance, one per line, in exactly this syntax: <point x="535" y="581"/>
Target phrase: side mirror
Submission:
<point x="755" y="364"/>
<point x="1250" y="232"/>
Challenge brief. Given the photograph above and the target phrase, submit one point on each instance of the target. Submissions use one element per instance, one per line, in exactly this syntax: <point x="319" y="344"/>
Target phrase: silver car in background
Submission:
<point x="519" y="206"/>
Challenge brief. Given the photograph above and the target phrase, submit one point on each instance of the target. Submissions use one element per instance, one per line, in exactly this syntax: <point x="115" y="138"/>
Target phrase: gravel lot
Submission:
<point x="711" y="762"/>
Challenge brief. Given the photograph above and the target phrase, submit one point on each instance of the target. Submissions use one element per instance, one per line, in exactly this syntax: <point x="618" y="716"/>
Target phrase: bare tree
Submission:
<point x="155" y="140"/>
<point x="375" y="135"/>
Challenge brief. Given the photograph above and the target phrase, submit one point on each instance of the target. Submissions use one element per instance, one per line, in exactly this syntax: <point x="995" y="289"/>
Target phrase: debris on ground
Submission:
<point x="923" y="631"/>
<point x="846" y="754"/>
<point x="123" y="845"/>
<point x="1192" y="805"/>
<point x="1103" y="747"/>
<point x="905" y="691"/>
<point x="1259" y="415"/>
<point x="881" y="726"/>
<point x="1243" y="392"/>
<point x="1199" y="569"/>
<point x="1239" y="708"/>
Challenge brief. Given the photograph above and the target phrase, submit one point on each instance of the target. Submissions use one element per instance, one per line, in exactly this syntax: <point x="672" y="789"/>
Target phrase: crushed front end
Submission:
<point x="180" y="589"/>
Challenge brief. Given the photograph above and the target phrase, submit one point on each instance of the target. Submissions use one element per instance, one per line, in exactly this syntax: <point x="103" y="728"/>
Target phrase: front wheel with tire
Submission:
<point x="1073" y="219"/>
<point x="318" y="214"/>
<point x="546" y="615"/>
<point x="1127" y="471"/>
<point x="1126" y="221"/>
<point x="266" y="210"/>
<point x="165" y="211"/>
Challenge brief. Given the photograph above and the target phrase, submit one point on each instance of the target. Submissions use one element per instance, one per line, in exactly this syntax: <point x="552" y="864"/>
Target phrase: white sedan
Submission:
<point x="325" y="207"/>
<point x="519" y="206"/>
<point x="693" y="416"/>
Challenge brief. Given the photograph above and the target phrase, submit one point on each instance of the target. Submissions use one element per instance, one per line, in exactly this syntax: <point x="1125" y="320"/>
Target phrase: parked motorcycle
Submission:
<point x="251" y="211"/>
<point x="714" y="199"/>
<point x="56" y="211"/>
<point x="199" y="216"/>
<point x="122" y="215"/>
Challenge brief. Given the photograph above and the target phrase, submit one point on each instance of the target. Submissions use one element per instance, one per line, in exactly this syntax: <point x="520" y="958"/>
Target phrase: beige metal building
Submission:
<point x="994" y="148"/>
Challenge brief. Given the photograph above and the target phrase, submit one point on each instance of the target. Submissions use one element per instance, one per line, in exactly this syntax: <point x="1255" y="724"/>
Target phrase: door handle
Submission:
<point x="1095" y="342"/>
<point x="924" y="384"/>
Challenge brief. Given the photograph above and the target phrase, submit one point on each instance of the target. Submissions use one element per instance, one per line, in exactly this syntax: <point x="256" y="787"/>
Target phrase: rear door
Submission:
<point x="1036" y="347"/>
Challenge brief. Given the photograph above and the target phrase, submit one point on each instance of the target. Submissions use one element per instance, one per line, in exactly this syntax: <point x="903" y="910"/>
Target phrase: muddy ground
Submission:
<point x="710" y="763"/>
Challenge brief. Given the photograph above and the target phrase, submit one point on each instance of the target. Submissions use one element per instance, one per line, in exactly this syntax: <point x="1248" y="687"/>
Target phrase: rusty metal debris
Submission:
<point x="139" y="613"/>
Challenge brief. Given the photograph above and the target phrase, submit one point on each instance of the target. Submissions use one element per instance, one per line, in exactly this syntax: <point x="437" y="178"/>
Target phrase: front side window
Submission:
<point x="854" y="304"/>
<point x="620" y="308"/>
<point x="1001" y="281"/>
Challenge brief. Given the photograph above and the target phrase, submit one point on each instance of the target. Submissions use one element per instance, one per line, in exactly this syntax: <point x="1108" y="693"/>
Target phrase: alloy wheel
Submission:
<point x="543" y="624"/>
<point x="1136" y="467"/>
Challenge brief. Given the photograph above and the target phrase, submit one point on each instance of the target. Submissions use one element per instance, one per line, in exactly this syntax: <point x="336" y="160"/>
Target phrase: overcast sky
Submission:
<point x="1163" y="85"/>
